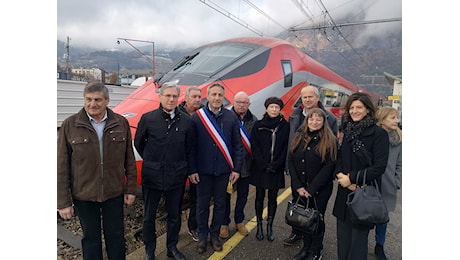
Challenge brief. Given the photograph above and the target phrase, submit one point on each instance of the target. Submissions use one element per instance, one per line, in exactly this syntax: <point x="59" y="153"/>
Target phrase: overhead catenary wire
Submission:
<point x="264" y="14"/>
<point x="340" y="33"/>
<point x="316" y="27"/>
<point x="231" y="16"/>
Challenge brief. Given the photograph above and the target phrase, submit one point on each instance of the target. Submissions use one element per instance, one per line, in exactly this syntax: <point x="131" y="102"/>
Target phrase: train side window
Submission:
<point x="287" y="70"/>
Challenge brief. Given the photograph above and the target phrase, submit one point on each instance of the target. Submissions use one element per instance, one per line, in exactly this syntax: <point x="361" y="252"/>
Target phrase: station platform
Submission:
<point x="248" y="247"/>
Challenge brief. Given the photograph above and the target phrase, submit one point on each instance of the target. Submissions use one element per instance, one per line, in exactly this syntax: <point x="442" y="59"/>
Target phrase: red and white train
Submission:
<point x="260" y="66"/>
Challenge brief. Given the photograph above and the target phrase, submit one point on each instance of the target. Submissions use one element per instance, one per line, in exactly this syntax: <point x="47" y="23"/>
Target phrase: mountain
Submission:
<point x="363" y="65"/>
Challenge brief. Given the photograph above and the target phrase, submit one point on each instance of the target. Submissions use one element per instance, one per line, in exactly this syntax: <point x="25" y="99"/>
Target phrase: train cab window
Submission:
<point x="213" y="59"/>
<point x="287" y="70"/>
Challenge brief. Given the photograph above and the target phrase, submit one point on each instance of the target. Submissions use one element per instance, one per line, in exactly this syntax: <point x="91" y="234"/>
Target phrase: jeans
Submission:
<point x="242" y="191"/>
<point x="89" y="213"/>
<point x="380" y="233"/>
<point x="173" y="204"/>
<point x="215" y="187"/>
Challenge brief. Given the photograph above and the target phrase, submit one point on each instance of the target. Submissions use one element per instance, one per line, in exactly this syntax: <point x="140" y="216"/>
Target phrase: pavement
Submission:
<point x="241" y="247"/>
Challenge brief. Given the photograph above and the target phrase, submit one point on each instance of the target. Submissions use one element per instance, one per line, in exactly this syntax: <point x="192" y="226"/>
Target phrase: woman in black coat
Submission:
<point x="312" y="155"/>
<point x="364" y="148"/>
<point x="269" y="142"/>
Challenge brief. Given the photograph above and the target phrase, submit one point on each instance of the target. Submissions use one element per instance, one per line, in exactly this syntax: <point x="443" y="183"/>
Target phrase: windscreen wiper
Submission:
<point x="186" y="59"/>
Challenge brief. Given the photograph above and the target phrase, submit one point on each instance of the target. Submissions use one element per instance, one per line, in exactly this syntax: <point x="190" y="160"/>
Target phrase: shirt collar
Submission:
<point x="172" y="113"/>
<point x="91" y="119"/>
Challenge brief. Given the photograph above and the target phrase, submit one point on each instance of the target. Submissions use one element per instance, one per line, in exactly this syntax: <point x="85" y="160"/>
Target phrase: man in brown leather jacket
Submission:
<point x="96" y="172"/>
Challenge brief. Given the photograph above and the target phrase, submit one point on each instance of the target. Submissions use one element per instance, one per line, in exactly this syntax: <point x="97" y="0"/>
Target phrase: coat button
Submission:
<point x="86" y="140"/>
<point x="303" y="160"/>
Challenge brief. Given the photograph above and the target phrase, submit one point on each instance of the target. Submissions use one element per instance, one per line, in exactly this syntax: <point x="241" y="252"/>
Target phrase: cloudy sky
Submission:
<point x="190" y="23"/>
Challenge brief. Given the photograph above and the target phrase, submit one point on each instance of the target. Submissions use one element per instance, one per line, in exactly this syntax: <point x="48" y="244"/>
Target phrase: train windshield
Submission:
<point x="212" y="59"/>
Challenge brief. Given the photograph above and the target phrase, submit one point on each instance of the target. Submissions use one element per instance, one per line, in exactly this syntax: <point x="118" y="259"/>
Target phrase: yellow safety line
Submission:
<point x="235" y="239"/>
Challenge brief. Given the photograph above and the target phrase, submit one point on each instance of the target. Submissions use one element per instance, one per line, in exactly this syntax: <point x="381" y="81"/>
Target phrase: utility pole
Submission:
<point x="67" y="55"/>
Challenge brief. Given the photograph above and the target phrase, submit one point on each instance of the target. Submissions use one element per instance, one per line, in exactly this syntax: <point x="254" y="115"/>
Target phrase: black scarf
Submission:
<point x="271" y="122"/>
<point x="352" y="134"/>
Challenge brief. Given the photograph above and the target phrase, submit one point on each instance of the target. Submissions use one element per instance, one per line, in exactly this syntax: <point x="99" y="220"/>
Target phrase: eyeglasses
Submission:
<point x="168" y="96"/>
<point x="241" y="102"/>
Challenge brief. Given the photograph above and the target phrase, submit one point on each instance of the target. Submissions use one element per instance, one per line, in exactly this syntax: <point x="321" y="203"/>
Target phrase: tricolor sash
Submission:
<point x="216" y="134"/>
<point x="245" y="138"/>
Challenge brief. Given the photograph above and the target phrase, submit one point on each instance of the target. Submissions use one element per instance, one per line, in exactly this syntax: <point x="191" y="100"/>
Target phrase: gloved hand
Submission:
<point x="270" y="169"/>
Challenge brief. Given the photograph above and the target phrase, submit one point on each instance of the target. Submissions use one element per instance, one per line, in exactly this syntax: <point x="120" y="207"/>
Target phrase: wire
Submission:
<point x="231" y="16"/>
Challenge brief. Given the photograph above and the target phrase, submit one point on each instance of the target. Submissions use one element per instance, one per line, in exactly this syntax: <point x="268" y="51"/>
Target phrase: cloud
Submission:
<point x="187" y="23"/>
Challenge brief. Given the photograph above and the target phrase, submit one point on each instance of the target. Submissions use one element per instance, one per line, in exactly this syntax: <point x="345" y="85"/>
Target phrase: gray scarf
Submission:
<point x="394" y="138"/>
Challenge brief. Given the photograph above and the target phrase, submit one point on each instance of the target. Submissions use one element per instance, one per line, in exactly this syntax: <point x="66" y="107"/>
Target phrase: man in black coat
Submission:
<point x="189" y="106"/>
<point x="164" y="139"/>
<point x="310" y="99"/>
<point x="247" y="119"/>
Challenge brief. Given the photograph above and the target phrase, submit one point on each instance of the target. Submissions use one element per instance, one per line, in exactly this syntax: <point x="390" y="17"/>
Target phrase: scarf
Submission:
<point x="394" y="138"/>
<point x="270" y="122"/>
<point x="352" y="134"/>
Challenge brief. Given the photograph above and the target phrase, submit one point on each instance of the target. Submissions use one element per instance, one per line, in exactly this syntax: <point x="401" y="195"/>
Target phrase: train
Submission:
<point x="259" y="66"/>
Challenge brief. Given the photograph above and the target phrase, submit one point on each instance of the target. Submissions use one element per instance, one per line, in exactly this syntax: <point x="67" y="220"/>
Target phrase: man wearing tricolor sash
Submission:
<point x="246" y="121"/>
<point x="218" y="155"/>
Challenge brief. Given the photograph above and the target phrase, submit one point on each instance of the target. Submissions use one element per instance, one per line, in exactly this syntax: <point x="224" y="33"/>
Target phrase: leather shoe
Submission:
<point x="201" y="246"/>
<point x="242" y="229"/>
<point x="176" y="254"/>
<point x="216" y="244"/>
<point x="302" y="255"/>
<point x="224" y="231"/>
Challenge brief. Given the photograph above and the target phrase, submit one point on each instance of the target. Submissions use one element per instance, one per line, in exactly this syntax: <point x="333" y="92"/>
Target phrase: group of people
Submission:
<point x="219" y="151"/>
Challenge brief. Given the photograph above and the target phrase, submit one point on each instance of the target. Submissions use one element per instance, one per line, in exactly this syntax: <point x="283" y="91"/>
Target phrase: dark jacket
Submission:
<point x="182" y="108"/>
<point x="296" y="119"/>
<point x="248" y="122"/>
<point x="375" y="140"/>
<point x="80" y="172"/>
<point x="208" y="159"/>
<point x="267" y="170"/>
<point x="307" y="170"/>
<point x="165" y="145"/>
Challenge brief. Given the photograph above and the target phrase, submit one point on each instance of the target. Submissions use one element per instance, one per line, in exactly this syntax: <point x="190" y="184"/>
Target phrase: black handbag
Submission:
<point x="366" y="205"/>
<point x="302" y="217"/>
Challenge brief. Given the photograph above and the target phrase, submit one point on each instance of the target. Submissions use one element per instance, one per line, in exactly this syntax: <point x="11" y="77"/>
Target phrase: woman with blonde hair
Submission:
<point x="312" y="155"/>
<point x="387" y="118"/>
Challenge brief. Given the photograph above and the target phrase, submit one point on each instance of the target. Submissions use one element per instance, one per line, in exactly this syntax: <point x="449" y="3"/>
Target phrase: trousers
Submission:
<point x="352" y="242"/>
<point x="242" y="191"/>
<point x="215" y="187"/>
<point x="89" y="213"/>
<point x="173" y="204"/>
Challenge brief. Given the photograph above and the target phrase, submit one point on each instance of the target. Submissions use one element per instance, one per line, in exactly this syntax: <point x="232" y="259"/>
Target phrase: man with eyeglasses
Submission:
<point x="241" y="109"/>
<point x="164" y="138"/>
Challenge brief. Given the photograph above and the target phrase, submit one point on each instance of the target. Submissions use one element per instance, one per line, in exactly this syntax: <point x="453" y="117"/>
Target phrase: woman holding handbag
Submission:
<point x="387" y="118"/>
<point x="269" y="142"/>
<point x="363" y="148"/>
<point x="312" y="155"/>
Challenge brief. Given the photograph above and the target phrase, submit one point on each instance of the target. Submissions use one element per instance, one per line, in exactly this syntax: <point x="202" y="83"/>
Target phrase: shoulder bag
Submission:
<point x="302" y="217"/>
<point x="366" y="205"/>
